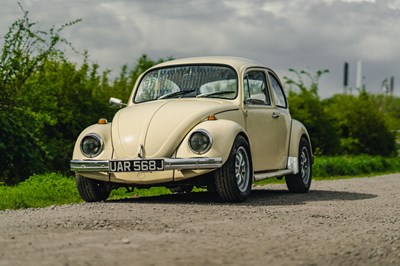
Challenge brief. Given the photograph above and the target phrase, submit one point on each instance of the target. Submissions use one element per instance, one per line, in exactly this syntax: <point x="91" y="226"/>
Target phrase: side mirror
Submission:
<point x="115" y="102"/>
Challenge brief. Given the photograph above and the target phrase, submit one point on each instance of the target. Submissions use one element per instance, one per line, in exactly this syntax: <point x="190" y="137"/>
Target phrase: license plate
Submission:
<point x="137" y="165"/>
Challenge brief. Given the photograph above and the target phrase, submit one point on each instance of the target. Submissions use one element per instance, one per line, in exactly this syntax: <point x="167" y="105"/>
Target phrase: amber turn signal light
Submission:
<point x="211" y="117"/>
<point x="102" y="121"/>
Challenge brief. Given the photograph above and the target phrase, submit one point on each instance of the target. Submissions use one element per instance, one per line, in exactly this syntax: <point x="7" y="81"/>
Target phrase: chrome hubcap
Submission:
<point x="305" y="165"/>
<point x="242" y="169"/>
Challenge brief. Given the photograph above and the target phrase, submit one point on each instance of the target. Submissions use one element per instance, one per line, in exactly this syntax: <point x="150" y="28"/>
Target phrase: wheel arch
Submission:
<point x="224" y="133"/>
<point x="102" y="130"/>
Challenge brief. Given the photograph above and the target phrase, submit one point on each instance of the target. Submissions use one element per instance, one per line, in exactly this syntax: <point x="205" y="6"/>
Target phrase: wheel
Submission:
<point x="234" y="179"/>
<point x="301" y="182"/>
<point x="92" y="190"/>
<point x="181" y="189"/>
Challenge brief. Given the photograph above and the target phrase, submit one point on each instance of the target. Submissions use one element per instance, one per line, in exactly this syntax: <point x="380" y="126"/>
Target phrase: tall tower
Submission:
<point x="345" y="77"/>
<point x="391" y="85"/>
<point x="359" y="78"/>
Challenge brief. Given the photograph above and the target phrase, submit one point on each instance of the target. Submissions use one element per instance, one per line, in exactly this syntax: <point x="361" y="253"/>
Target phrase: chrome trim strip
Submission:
<point x="265" y="175"/>
<point x="169" y="164"/>
<point x="89" y="166"/>
<point x="192" y="163"/>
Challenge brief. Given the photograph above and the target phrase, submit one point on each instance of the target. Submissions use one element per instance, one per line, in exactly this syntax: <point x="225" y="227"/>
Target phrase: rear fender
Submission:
<point x="298" y="131"/>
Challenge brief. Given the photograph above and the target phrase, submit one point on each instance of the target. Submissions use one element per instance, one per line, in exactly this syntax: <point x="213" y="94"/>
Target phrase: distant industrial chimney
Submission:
<point x="359" y="75"/>
<point x="346" y="77"/>
<point x="391" y="85"/>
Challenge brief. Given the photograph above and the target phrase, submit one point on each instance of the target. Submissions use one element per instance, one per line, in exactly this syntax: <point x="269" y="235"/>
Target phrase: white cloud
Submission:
<point x="358" y="1"/>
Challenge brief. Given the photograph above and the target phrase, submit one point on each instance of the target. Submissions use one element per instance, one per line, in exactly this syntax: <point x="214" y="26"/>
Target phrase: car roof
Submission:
<point x="236" y="62"/>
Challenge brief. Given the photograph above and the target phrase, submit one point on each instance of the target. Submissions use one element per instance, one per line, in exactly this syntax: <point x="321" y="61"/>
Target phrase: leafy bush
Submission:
<point x="306" y="106"/>
<point x="46" y="100"/>
<point x="24" y="54"/>
<point x="344" y="124"/>
<point x="362" y="124"/>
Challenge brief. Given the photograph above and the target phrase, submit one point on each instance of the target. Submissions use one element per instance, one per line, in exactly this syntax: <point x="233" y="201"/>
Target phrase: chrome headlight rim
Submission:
<point x="96" y="137"/>
<point x="205" y="133"/>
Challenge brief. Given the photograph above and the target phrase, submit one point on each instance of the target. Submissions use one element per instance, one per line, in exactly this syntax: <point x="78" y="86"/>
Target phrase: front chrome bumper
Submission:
<point x="169" y="164"/>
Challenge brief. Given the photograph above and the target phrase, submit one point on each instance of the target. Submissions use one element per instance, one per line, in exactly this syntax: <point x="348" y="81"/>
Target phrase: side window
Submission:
<point x="280" y="98"/>
<point x="255" y="87"/>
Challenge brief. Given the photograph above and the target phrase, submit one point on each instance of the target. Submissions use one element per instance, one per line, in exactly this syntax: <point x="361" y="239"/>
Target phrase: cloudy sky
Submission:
<point x="299" y="34"/>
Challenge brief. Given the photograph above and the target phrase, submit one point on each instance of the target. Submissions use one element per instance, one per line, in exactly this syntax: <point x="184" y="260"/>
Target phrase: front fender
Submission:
<point x="104" y="131"/>
<point x="223" y="133"/>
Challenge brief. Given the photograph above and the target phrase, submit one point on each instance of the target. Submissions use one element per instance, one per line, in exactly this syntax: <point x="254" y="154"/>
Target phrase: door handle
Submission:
<point x="275" y="115"/>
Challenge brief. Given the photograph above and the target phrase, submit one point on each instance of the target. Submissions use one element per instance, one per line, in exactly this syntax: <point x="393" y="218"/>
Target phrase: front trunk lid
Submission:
<point x="155" y="129"/>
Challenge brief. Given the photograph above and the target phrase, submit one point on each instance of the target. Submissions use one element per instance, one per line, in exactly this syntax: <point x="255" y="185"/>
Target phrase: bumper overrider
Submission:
<point x="168" y="164"/>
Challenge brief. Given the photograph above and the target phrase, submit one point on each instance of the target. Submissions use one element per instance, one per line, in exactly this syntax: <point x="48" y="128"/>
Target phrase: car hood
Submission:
<point x="160" y="126"/>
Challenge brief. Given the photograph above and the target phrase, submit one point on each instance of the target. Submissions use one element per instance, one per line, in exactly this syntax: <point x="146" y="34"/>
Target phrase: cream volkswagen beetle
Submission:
<point x="214" y="122"/>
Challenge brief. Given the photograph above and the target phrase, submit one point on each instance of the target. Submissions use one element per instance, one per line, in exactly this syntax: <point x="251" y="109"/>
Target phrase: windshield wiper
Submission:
<point x="175" y="93"/>
<point x="206" y="94"/>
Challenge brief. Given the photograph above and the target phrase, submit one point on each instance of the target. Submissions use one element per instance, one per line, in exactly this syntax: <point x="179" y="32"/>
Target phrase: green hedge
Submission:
<point x="354" y="165"/>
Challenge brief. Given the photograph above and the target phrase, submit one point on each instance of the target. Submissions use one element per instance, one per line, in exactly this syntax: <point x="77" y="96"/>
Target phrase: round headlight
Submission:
<point x="200" y="141"/>
<point x="91" y="145"/>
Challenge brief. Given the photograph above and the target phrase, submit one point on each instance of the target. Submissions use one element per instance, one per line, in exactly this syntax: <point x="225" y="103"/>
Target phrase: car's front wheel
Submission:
<point x="301" y="182"/>
<point x="233" y="180"/>
<point x="92" y="190"/>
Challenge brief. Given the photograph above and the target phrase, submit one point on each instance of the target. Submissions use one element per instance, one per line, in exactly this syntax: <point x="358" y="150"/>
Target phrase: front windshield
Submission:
<point x="188" y="81"/>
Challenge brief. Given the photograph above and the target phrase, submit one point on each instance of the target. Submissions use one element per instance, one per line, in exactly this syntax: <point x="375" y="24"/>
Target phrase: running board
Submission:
<point x="292" y="168"/>
<point x="265" y="175"/>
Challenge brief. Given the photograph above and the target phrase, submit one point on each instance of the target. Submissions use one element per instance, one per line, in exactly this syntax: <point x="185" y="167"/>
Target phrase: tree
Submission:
<point x="75" y="99"/>
<point x="362" y="125"/>
<point x="123" y="84"/>
<point x="24" y="54"/>
<point x="306" y="106"/>
<point x="390" y="106"/>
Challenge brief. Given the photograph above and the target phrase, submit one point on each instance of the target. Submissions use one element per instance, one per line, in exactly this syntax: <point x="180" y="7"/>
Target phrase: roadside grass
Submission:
<point x="57" y="189"/>
<point x="39" y="191"/>
<point x="345" y="167"/>
<point x="340" y="166"/>
<point x="143" y="192"/>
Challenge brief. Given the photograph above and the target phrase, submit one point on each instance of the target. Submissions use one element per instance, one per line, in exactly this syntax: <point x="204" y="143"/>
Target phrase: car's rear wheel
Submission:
<point x="301" y="182"/>
<point x="92" y="190"/>
<point x="233" y="180"/>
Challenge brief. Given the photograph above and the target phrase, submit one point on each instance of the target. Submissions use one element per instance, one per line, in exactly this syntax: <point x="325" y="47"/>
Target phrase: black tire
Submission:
<point x="181" y="189"/>
<point x="92" y="190"/>
<point x="234" y="179"/>
<point x="301" y="182"/>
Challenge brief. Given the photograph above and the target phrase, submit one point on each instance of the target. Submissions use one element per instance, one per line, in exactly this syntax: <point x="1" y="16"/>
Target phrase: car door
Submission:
<point x="267" y="120"/>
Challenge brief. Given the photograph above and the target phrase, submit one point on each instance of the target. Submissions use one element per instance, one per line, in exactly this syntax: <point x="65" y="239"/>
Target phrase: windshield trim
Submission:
<point x="186" y="65"/>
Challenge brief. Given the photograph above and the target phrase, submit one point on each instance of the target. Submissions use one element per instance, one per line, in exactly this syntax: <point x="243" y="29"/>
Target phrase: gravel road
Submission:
<point x="342" y="222"/>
